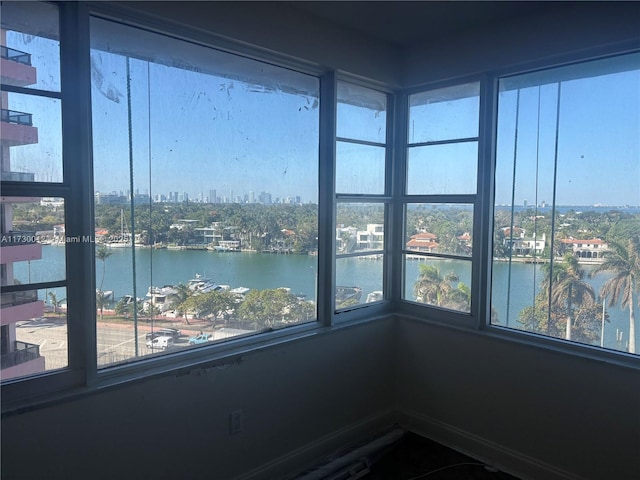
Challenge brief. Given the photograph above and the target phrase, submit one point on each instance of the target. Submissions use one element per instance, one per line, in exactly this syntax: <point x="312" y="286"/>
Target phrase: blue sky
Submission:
<point x="204" y="132"/>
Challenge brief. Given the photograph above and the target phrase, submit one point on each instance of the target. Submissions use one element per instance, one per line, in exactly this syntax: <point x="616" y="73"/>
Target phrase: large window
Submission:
<point x="160" y="195"/>
<point x="440" y="193"/>
<point x="206" y="193"/>
<point x="361" y="195"/>
<point x="567" y="203"/>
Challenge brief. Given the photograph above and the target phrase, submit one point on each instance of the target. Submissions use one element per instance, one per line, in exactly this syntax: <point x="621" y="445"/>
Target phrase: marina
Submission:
<point x="162" y="269"/>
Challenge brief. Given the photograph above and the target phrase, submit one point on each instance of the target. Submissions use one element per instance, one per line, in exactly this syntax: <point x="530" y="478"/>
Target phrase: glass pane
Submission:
<point x="30" y="45"/>
<point x="439" y="228"/>
<point x="359" y="169"/>
<point x="34" y="332"/>
<point x="31" y="138"/>
<point x="444" y="114"/>
<point x="362" y="113"/>
<point x="33" y="239"/>
<point x="220" y="219"/>
<point x="567" y="203"/>
<point x="441" y="283"/>
<point x="358" y="281"/>
<point x="442" y="169"/>
<point x="360" y="227"/>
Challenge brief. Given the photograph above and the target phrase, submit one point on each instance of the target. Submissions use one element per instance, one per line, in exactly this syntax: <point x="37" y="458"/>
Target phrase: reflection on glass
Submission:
<point x="31" y="49"/>
<point x="31" y="138"/>
<point x="225" y="160"/>
<point x="359" y="227"/>
<point x="442" y="169"/>
<point x="441" y="283"/>
<point x="566" y="215"/>
<point x="359" y="168"/>
<point x="35" y="339"/>
<point x="444" y="114"/>
<point x="358" y="281"/>
<point x="362" y="113"/>
<point x="439" y="228"/>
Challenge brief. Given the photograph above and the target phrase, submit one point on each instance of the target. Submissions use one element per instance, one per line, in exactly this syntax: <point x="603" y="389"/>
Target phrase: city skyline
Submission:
<point x="232" y="140"/>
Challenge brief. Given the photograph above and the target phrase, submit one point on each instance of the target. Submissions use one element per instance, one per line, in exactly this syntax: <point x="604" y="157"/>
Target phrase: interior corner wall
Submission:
<point x="538" y="413"/>
<point x="563" y="28"/>
<point x="326" y="390"/>
<point x="281" y="28"/>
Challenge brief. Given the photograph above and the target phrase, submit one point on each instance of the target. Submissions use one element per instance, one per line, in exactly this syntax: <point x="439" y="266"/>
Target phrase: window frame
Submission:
<point x="82" y="375"/>
<point x="361" y="311"/>
<point x="474" y="318"/>
<point x="521" y="336"/>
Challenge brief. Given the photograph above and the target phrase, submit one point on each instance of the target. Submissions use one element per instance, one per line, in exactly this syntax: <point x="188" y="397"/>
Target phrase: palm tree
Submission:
<point x="55" y="303"/>
<point x="181" y="294"/>
<point x="565" y="287"/>
<point x="102" y="254"/>
<point x="436" y="289"/>
<point x="624" y="262"/>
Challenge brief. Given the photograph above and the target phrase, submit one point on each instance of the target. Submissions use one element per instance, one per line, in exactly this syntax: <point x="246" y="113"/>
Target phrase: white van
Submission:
<point x="160" y="343"/>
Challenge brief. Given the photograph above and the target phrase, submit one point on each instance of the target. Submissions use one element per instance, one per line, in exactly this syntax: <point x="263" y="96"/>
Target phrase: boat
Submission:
<point x="227" y="246"/>
<point x="240" y="293"/>
<point x="200" y="284"/>
<point x="106" y="294"/>
<point x="124" y="240"/>
<point x="348" y="293"/>
<point x="375" y="296"/>
<point x="160" y="298"/>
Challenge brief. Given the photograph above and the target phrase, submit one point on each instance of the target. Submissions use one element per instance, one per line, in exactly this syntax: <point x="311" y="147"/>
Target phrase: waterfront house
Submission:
<point x="586" y="249"/>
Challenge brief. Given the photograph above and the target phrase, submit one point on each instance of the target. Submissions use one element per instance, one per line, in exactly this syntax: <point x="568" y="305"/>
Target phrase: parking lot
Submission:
<point x="115" y="342"/>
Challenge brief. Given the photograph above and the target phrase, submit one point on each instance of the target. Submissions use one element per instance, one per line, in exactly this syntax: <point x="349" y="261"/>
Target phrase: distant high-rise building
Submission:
<point x="212" y="196"/>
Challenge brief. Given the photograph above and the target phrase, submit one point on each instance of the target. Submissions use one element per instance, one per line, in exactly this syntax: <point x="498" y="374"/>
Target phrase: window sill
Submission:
<point x="198" y="360"/>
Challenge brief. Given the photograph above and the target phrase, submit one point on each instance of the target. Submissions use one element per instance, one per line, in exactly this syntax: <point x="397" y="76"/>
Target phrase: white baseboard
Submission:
<point x="503" y="458"/>
<point x="499" y="456"/>
<point x="314" y="452"/>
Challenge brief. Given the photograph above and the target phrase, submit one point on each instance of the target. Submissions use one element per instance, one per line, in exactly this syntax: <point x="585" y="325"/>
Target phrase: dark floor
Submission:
<point x="415" y="457"/>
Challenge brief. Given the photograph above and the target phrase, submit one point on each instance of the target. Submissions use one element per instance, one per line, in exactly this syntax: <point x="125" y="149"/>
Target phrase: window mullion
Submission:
<point x="483" y="222"/>
<point x="397" y="176"/>
<point x="327" y="204"/>
<point x="76" y="134"/>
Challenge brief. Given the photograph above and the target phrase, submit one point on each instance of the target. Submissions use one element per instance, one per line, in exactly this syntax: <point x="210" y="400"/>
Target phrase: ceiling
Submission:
<point x="403" y="24"/>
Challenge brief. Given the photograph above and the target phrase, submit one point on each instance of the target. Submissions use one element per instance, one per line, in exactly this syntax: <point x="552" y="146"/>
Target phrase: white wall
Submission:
<point x="331" y="389"/>
<point x="536" y="412"/>
<point x="278" y="27"/>
<point x="567" y="27"/>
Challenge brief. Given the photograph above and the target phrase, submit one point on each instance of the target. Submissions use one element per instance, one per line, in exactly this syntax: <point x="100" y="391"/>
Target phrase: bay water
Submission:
<point x="298" y="273"/>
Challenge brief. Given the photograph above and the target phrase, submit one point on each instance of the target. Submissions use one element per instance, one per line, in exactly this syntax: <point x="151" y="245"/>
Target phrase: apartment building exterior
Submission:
<point x="18" y="358"/>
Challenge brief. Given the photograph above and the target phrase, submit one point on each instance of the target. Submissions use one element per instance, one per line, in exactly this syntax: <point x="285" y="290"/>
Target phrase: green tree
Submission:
<point x="102" y="253"/>
<point x="266" y="308"/>
<point x="55" y="303"/>
<point x="624" y="263"/>
<point x="179" y="298"/>
<point x="436" y="289"/>
<point x="565" y="286"/>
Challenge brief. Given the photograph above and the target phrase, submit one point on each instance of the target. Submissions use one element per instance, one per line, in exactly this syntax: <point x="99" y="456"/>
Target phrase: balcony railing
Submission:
<point x="19" y="118"/>
<point x="22" y="352"/>
<point x="18" y="237"/>
<point x="14" y="299"/>
<point x="15" y="55"/>
<point x="17" y="176"/>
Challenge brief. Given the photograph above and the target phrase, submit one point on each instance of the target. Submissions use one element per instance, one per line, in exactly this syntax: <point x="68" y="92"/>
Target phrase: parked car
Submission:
<point x="160" y="343"/>
<point x="164" y="332"/>
<point x="200" y="338"/>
